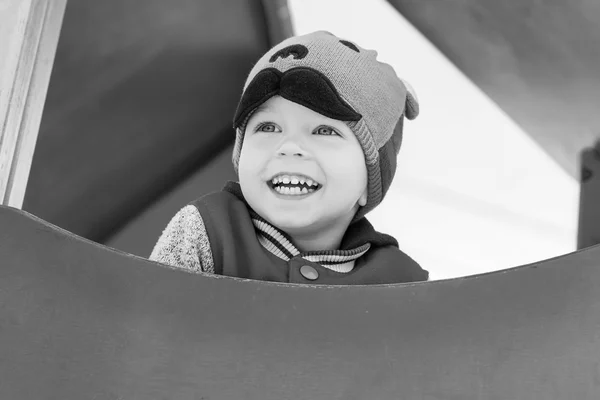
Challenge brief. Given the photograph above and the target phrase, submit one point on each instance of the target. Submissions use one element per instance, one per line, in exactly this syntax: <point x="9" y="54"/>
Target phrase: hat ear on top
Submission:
<point x="411" y="108"/>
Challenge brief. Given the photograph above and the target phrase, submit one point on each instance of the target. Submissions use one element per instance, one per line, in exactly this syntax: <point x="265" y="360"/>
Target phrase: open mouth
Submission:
<point x="293" y="184"/>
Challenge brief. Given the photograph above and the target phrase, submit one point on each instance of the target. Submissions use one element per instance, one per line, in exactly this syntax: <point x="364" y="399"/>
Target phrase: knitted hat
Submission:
<point x="342" y="81"/>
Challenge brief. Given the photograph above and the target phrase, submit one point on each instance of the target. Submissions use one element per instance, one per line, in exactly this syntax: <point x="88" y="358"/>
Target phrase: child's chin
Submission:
<point x="287" y="222"/>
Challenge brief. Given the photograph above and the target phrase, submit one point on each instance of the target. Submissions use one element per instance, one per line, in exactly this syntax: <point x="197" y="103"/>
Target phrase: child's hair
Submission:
<point x="342" y="81"/>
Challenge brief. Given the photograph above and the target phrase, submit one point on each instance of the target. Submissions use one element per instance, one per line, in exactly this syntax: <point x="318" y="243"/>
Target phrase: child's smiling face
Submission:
<point x="300" y="170"/>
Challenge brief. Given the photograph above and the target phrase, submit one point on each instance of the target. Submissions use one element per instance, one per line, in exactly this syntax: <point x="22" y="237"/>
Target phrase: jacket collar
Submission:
<point x="360" y="237"/>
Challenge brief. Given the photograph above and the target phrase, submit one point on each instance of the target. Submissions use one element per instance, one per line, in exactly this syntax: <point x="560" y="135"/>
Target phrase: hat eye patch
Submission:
<point x="350" y="45"/>
<point x="297" y="51"/>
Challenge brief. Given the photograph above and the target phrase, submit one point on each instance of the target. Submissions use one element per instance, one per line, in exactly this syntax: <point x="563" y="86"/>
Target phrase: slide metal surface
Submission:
<point x="82" y="321"/>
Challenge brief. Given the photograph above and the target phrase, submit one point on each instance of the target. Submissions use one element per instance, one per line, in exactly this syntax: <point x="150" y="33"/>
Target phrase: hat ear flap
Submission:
<point x="411" y="108"/>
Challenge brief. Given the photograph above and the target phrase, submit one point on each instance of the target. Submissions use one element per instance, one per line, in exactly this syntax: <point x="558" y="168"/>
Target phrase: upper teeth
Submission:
<point x="294" y="180"/>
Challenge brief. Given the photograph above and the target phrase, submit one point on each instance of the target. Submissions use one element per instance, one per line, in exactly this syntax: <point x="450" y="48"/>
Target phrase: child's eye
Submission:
<point x="267" y="127"/>
<point x="326" y="130"/>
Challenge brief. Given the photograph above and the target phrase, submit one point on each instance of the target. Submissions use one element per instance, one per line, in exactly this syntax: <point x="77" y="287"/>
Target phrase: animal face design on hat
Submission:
<point x="342" y="81"/>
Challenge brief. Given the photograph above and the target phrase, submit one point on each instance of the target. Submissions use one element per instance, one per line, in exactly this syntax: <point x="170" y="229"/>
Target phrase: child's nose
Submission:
<point x="290" y="148"/>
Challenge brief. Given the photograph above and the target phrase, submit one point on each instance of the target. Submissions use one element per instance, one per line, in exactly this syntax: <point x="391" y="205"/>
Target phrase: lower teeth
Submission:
<point x="293" y="191"/>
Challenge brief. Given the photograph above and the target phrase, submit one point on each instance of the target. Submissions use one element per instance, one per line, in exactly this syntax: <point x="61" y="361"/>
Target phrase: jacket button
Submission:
<point x="309" y="272"/>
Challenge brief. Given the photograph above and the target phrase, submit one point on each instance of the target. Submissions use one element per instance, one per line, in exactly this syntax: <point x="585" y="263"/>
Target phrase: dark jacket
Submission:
<point x="244" y="245"/>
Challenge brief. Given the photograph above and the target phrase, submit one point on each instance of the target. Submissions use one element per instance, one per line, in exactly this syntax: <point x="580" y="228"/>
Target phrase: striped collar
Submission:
<point x="359" y="238"/>
<point x="281" y="245"/>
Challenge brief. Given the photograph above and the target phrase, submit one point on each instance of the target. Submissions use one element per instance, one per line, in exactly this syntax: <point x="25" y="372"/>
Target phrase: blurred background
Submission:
<point x="137" y="121"/>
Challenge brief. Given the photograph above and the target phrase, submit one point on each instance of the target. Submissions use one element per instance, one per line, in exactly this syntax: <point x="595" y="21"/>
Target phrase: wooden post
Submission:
<point x="278" y="20"/>
<point x="588" y="233"/>
<point x="29" y="31"/>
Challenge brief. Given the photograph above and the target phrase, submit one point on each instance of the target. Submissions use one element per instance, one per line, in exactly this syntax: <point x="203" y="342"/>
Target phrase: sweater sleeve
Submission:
<point x="184" y="243"/>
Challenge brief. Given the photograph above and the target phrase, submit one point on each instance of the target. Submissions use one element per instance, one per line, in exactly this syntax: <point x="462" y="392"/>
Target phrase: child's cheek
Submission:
<point x="254" y="155"/>
<point x="260" y="142"/>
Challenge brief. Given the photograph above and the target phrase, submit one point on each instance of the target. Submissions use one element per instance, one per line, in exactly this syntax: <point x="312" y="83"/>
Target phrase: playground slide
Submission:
<point x="82" y="321"/>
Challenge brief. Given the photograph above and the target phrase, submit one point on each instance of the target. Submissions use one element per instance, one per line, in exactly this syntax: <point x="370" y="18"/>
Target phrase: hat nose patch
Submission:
<point x="297" y="51"/>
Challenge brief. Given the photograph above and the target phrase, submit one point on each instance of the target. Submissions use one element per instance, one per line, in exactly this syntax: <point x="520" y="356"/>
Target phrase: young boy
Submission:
<point x="319" y="126"/>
